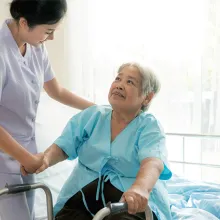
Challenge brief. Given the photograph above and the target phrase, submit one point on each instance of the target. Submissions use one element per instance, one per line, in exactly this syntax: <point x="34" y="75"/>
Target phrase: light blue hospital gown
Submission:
<point x="88" y="137"/>
<point x="21" y="81"/>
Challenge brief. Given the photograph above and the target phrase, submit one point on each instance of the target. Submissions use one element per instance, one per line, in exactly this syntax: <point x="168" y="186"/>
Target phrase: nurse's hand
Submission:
<point x="136" y="198"/>
<point x="32" y="164"/>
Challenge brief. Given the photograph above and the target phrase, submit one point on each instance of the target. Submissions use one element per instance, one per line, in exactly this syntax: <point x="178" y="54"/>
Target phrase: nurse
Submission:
<point x="24" y="71"/>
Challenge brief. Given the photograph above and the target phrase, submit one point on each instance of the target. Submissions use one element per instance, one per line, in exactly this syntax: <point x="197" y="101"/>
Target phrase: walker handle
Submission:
<point x="18" y="188"/>
<point x="117" y="207"/>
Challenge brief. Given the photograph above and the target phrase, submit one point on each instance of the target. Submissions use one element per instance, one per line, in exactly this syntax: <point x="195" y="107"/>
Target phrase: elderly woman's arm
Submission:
<point x="137" y="196"/>
<point x="52" y="156"/>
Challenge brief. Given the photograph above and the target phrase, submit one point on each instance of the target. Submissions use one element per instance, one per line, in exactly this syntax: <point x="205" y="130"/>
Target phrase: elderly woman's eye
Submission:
<point x="49" y="32"/>
<point x="130" y="82"/>
<point x="117" y="78"/>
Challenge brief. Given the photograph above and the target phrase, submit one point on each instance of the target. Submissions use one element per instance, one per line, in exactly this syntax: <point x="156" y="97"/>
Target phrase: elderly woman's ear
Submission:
<point x="148" y="99"/>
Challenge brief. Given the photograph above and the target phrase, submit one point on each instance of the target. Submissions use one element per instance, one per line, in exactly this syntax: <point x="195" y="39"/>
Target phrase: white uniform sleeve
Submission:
<point x="2" y="76"/>
<point x="48" y="71"/>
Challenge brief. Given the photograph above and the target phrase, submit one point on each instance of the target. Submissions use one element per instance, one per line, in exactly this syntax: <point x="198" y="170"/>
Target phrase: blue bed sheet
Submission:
<point x="193" y="200"/>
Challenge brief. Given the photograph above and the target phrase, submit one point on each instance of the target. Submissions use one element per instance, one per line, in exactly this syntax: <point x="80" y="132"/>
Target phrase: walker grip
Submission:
<point x="117" y="207"/>
<point x="18" y="188"/>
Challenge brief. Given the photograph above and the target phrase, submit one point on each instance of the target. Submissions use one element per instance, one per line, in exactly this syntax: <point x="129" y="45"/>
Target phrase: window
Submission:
<point x="180" y="40"/>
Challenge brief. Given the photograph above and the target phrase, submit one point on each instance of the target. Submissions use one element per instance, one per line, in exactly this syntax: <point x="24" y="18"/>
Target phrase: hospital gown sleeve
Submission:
<point x="74" y="134"/>
<point x="2" y="76"/>
<point x="48" y="70"/>
<point x="151" y="143"/>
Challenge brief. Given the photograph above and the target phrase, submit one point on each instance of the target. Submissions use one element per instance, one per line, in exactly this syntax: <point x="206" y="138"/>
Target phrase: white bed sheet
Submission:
<point x="193" y="200"/>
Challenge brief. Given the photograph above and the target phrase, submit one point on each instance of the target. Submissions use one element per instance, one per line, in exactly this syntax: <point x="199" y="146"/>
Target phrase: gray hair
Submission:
<point x="150" y="82"/>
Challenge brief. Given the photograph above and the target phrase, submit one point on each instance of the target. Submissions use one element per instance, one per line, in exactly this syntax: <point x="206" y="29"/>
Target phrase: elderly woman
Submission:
<point x="121" y="153"/>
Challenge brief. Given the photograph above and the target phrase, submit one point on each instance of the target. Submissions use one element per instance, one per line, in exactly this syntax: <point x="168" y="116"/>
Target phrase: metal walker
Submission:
<point x="111" y="208"/>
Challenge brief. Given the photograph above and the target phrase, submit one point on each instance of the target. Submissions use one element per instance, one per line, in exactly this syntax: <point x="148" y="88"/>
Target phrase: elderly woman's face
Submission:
<point x="125" y="91"/>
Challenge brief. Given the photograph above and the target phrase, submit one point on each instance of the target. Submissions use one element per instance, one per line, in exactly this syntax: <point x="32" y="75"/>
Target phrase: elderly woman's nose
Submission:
<point x="119" y="87"/>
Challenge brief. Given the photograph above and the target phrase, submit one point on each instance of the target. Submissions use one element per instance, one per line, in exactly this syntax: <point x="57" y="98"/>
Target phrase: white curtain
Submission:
<point x="179" y="39"/>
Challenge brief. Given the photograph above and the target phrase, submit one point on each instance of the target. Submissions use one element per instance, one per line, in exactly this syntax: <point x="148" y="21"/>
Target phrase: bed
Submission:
<point x="190" y="198"/>
<point x="197" y="194"/>
<point x="194" y="199"/>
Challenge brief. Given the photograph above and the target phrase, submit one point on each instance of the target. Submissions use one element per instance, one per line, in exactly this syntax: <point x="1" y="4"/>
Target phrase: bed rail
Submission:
<point x="201" y="136"/>
<point x="194" y="135"/>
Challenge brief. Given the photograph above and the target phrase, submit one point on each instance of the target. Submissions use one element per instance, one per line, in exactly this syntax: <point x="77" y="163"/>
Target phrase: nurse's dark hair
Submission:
<point x="38" y="12"/>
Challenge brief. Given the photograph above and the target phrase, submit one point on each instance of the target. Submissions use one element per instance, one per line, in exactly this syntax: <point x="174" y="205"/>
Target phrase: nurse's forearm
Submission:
<point x="54" y="155"/>
<point x="68" y="98"/>
<point x="11" y="147"/>
<point x="148" y="174"/>
<point x="60" y="94"/>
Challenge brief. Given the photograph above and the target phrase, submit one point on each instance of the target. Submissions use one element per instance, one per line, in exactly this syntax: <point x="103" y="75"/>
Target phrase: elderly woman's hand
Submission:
<point x="136" y="198"/>
<point x="41" y="165"/>
<point x="44" y="165"/>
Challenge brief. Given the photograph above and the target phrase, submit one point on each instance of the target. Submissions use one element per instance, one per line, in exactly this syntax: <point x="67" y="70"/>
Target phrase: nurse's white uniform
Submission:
<point x="21" y="81"/>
